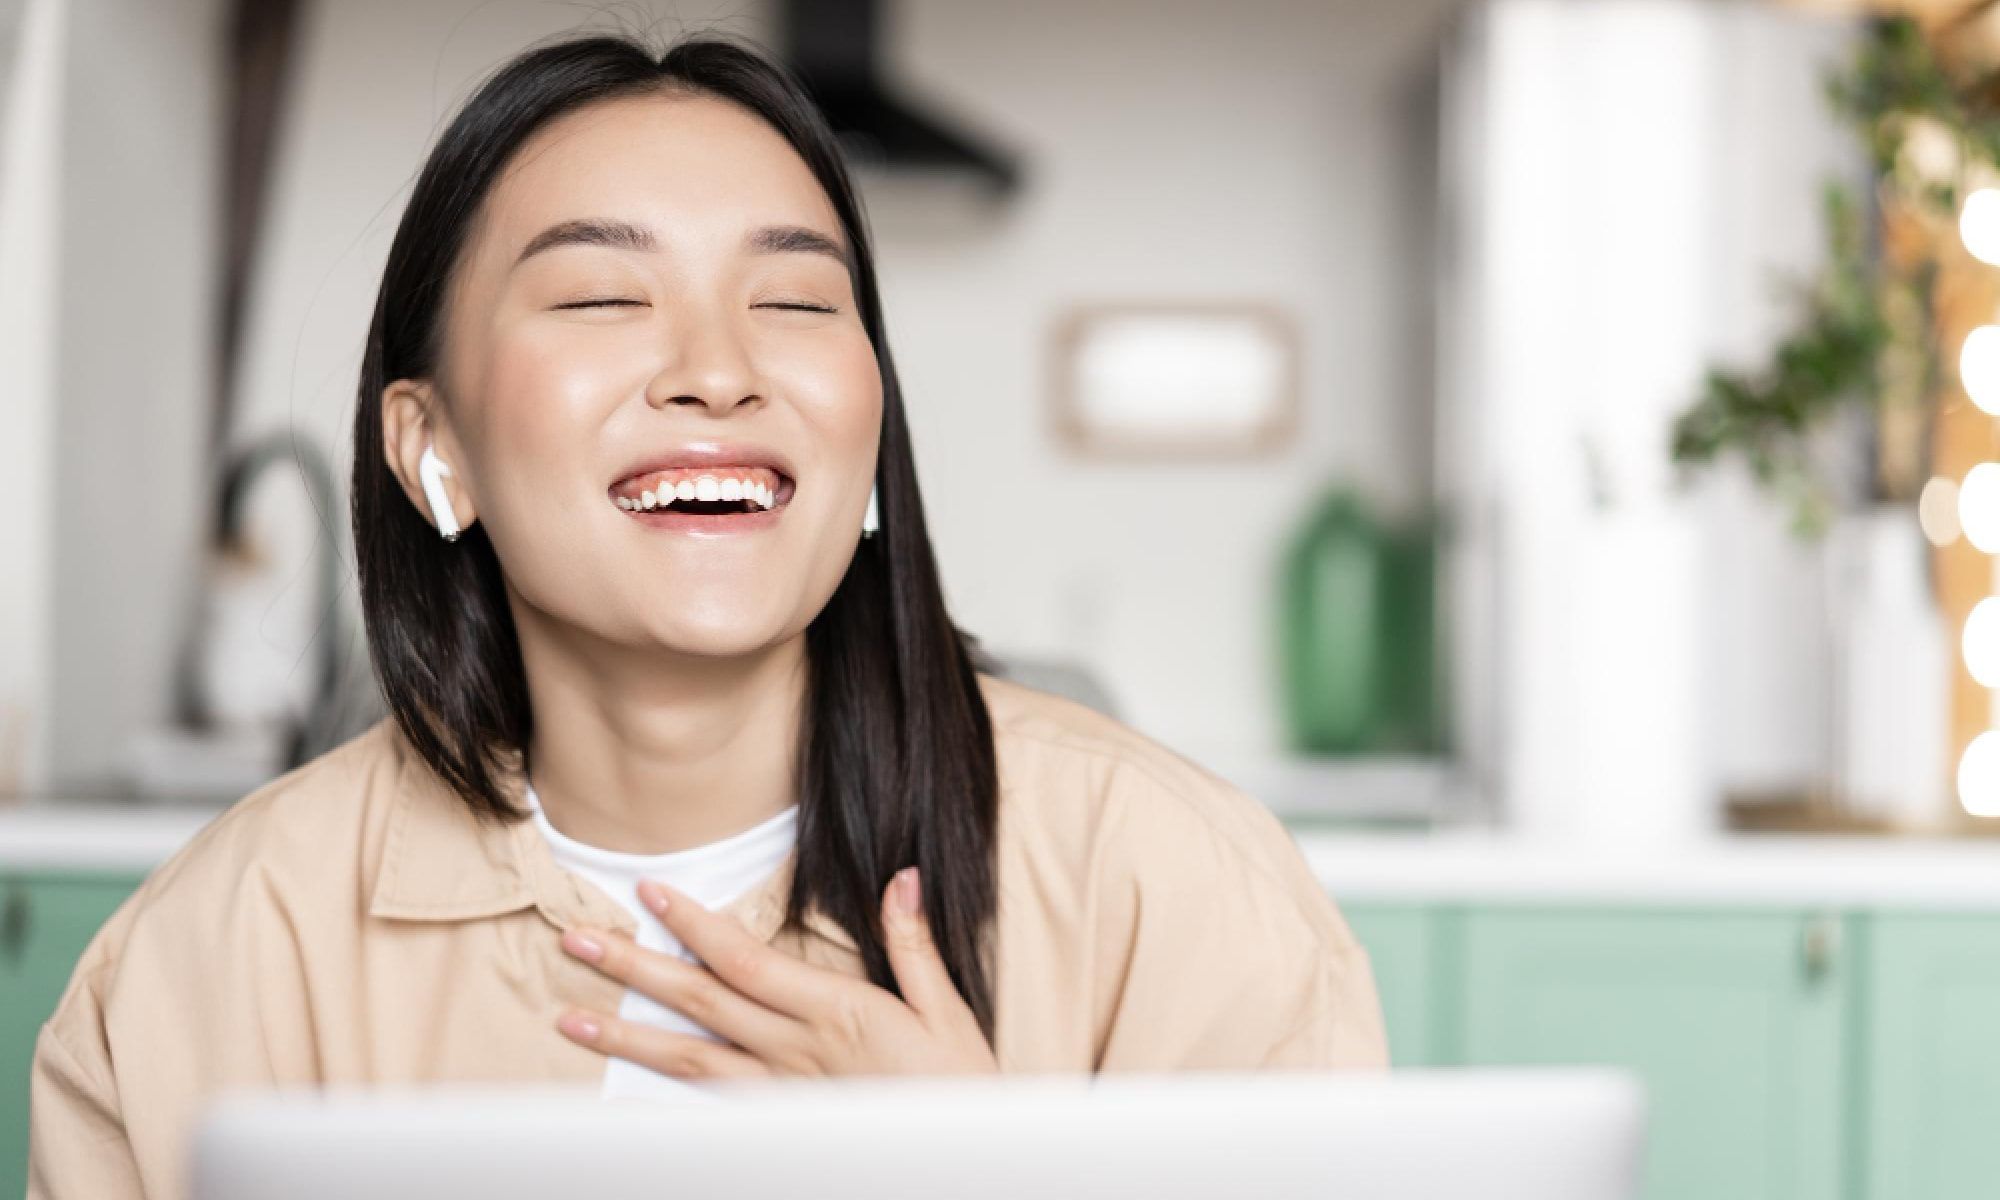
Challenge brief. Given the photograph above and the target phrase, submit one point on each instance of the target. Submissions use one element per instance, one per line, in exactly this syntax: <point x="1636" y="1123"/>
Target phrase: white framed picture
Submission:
<point x="1155" y="379"/>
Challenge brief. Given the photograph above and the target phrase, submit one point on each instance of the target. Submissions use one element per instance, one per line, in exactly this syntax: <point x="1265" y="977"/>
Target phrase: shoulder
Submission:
<point x="1042" y="737"/>
<point x="195" y="982"/>
<point x="305" y="833"/>
<point x="1211" y="941"/>
<point x="1078" y="783"/>
<point x="306" y="824"/>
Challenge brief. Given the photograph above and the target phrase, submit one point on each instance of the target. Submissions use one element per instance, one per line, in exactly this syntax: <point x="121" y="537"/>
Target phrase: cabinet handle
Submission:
<point x="1819" y="946"/>
<point x="14" y="922"/>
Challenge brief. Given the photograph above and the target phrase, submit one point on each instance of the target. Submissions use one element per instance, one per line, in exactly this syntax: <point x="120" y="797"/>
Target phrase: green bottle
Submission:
<point x="1357" y="633"/>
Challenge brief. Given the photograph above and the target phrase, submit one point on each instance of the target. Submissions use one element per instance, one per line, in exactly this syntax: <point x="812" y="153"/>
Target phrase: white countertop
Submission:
<point x="95" y="836"/>
<point x="1359" y="867"/>
<point x="1741" y="869"/>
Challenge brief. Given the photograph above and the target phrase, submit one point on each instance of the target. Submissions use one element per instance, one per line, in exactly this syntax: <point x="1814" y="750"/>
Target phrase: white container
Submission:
<point x="1894" y="661"/>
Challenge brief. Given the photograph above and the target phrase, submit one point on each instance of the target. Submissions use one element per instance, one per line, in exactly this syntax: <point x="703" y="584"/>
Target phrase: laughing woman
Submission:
<point x="689" y="773"/>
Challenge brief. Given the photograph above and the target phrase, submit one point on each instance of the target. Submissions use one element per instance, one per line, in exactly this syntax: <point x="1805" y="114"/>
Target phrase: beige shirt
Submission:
<point x="351" y="922"/>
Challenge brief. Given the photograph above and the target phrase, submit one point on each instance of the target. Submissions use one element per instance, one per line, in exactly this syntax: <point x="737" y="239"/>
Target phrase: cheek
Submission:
<point x="542" y="386"/>
<point x="543" y="403"/>
<point x="836" y="385"/>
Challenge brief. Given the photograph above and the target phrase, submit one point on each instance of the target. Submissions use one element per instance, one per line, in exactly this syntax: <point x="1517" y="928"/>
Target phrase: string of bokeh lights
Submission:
<point x="1971" y="508"/>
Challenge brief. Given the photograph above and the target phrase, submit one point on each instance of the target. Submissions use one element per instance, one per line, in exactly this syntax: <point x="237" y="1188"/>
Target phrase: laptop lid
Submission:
<point x="1545" y="1134"/>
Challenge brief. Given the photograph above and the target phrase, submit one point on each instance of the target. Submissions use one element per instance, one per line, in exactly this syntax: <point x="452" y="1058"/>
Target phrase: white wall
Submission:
<point x="30" y="210"/>
<point x="1249" y="150"/>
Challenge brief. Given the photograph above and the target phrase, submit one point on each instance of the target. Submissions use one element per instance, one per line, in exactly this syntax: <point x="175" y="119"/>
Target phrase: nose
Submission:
<point x="706" y="363"/>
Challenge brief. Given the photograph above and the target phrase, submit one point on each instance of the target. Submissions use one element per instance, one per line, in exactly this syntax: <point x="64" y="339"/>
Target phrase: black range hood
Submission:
<point x="833" y="47"/>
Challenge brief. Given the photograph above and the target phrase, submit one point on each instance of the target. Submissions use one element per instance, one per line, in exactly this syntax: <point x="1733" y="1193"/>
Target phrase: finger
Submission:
<point x="681" y="1055"/>
<point x="783" y="984"/>
<point x="920" y="971"/>
<point x="689" y="990"/>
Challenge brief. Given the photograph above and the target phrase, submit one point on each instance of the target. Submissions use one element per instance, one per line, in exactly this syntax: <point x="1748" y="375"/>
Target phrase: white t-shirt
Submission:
<point x="713" y="875"/>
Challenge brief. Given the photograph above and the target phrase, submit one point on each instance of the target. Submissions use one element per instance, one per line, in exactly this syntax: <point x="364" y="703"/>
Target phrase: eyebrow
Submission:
<point x="623" y="235"/>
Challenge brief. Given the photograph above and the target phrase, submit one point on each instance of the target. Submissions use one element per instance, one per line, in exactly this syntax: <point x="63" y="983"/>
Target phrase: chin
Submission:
<point x="727" y="635"/>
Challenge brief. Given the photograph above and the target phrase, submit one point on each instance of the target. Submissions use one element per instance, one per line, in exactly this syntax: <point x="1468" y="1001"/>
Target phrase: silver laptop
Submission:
<point x="1542" y="1134"/>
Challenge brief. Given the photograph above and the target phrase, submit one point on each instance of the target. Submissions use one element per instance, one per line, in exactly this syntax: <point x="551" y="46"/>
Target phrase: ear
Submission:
<point x="408" y="409"/>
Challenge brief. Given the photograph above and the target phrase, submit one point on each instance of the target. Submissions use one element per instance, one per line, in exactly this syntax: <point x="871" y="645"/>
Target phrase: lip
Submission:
<point x="709" y="524"/>
<point x="710" y="454"/>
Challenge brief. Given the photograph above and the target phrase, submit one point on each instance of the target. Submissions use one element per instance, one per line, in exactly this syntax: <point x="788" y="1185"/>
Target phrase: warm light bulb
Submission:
<point x="1981" y="642"/>
<point x="1937" y="510"/>
<point x="1979" y="367"/>
<point x="1979" y="776"/>
<point x="1979" y="506"/>
<point x="1930" y="152"/>
<point x="1979" y="225"/>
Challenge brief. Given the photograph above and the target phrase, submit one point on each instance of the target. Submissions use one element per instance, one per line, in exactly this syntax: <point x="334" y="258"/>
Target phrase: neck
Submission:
<point x="649" y="753"/>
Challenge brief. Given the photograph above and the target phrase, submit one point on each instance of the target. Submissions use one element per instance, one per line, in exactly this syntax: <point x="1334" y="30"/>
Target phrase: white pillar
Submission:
<point x="30" y="229"/>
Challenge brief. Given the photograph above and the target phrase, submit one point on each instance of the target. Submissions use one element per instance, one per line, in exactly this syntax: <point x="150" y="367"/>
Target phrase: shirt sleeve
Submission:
<point x="77" y="1149"/>
<point x="164" y="1009"/>
<point x="1344" y="1030"/>
<point x="1229" y="953"/>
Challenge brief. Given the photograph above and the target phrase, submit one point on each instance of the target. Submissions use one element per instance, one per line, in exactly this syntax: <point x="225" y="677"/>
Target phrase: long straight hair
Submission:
<point x="896" y="759"/>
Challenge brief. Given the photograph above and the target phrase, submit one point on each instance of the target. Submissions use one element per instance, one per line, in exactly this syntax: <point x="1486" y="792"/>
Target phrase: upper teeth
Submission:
<point x="701" y="487"/>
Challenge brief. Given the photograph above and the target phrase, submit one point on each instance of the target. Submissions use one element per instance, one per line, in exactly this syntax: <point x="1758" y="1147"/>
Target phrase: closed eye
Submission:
<point x="792" y="306"/>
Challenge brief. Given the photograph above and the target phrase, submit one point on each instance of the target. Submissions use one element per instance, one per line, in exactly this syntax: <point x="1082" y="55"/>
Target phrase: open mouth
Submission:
<point x="705" y="491"/>
<point x="711" y="508"/>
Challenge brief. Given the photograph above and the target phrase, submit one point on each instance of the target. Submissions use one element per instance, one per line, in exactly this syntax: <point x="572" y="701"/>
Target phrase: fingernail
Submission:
<point x="581" y="944"/>
<point x="579" y="1026"/>
<point x="653" y="896"/>
<point x="904" y="891"/>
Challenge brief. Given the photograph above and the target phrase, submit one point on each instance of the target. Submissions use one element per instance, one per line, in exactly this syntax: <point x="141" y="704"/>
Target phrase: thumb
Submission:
<point x="913" y="956"/>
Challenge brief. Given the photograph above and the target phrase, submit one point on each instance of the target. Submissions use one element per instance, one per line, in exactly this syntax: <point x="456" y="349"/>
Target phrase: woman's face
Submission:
<point x="709" y="315"/>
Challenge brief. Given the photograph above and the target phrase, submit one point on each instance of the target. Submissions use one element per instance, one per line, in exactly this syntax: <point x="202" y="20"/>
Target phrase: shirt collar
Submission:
<point x="440" y="862"/>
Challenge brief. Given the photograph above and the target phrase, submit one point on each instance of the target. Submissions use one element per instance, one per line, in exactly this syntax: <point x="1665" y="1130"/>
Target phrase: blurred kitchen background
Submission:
<point x="1295" y="379"/>
<point x="1542" y="448"/>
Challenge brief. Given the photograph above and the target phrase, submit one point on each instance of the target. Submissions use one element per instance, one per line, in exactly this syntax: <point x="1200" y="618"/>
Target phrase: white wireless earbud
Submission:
<point x="431" y="471"/>
<point x="870" y="521"/>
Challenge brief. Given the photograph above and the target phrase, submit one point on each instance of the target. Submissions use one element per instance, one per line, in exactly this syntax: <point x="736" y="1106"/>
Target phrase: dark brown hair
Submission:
<point x="896" y="761"/>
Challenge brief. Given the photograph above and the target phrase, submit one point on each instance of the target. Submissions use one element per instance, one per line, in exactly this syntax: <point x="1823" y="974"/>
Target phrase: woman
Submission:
<point x="650" y="596"/>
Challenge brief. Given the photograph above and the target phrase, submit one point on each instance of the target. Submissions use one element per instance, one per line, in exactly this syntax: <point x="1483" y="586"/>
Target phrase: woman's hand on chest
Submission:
<point x="777" y="1014"/>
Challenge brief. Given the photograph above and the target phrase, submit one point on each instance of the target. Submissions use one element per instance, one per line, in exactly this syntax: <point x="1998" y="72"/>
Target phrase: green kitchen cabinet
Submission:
<point x="1408" y="948"/>
<point x="45" y="922"/>
<point x="1930" y="1054"/>
<point x="1735" y="1021"/>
